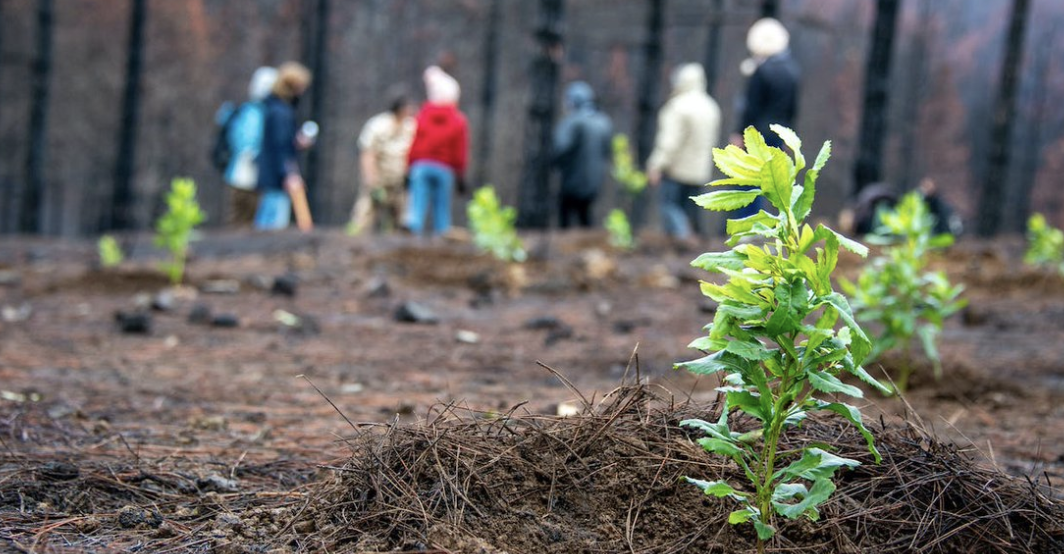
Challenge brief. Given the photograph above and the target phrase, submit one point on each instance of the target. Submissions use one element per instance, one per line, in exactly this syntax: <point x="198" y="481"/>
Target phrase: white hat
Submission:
<point x="767" y="37"/>
<point x="440" y="87"/>
<point x="261" y="83"/>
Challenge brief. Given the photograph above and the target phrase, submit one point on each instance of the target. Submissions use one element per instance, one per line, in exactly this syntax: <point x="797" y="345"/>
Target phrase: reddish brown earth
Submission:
<point x="115" y="441"/>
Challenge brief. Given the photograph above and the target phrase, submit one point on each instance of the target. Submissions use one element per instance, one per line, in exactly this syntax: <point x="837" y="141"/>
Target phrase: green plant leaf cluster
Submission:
<point x="620" y="230"/>
<point x="625" y="173"/>
<point x="173" y="229"/>
<point x="493" y="226"/>
<point x="781" y="337"/>
<point x="110" y="252"/>
<point x="1045" y="244"/>
<point x="896" y="295"/>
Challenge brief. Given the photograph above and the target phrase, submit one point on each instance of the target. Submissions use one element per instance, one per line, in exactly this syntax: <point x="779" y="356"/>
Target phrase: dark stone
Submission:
<point x="378" y="288"/>
<point x="412" y="312"/>
<point x="163" y="302"/>
<point x="132" y="517"/>
<point x="217" y="483"/>
<point x="974" y="316"/>
<point x="136" y="323"/>
<point x="285" y="285"/>
<point x="543" y="322"/>
<point x="59" y="471"/>
<point x="225" y="320"/>
<point x="558" y="334"/>
<point x="200" y="315"/>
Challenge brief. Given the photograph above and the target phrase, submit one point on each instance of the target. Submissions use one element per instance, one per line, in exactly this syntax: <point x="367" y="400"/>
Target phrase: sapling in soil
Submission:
<point x="781" y="335"/>
<point x="493" y="226"/>
<point x="1045" y="244"/>
<point x="625" y="172"/>
<point x="620" y="230"/>
<point x="110" y="252"/>
<point x="174" y="229"/>
<point x="895" y="294"/>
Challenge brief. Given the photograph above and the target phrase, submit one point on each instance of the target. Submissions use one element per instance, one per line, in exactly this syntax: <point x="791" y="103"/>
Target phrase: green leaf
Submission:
<point x="821" y="491"/>
<point x="714" y="363"/>
<point x="853" y="415"/>
<point x="742" y="516"/>
<point x="719" y="489"/>
<point x="755" y="145"/>
<point x="793" y="142"/>
<point x="786" y="316"/>
<point x="737" y="164"/>
<point x="743" y="313"/>
<point x="828" y="383"/>
<point x="849" y="244"/>
<point x="822" y="157"/>
<point x="722" y="447"/>
<point x="747" y="224"/>
<point x="804" y="204"/>
<point x="777" y="181"/>
<point x="764" y="532"/>
<point x="713" y="261"/>
<point x="726" y="200"/>
<point x="749" y="403"/>
<point x="749" y="350"/>
<point x="861" y="345"/>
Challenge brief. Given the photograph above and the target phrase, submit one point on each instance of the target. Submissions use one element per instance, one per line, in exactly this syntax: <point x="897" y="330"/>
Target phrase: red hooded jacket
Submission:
<point x="442" y="136"/>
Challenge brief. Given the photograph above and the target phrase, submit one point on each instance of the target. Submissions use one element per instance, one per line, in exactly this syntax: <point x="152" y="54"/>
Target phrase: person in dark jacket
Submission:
<point x="279" y="174"/>
<point x="438" y="154"/>
<point x="771" y="93"/>
<point x="582" y="151"/>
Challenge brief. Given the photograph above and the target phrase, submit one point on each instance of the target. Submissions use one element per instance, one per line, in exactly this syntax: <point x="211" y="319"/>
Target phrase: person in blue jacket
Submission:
<point x="279" y="173"/>
<point x="243" y="134"/>
<point x="582" y="152"/>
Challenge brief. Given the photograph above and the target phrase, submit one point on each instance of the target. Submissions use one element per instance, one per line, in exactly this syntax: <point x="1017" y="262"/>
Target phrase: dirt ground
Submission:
<point x="105" y="434"/>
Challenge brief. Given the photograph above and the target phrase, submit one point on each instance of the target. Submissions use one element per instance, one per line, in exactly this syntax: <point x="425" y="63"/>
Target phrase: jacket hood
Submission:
<point x="261" y="83"/>
<point x="440" y="87"/>
<point x="689" y="77"/>
<point x="579" y="95"/>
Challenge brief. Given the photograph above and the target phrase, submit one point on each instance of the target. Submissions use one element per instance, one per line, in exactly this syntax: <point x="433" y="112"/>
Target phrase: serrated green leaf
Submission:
<point x="726" y="200"/>
<point x="711" y="364"/>
<point x="853" y="415"/>
<point x="822" y="157"/>
<point x="741" y="516"/>
<point x="722" y="447"/>
<point x="821" y="491"/>
<point x="827" y="383"/>
<point x="737" y="164"/>
<point x="744" y="225"/>
<point x="804" y="204"/>
<point x="777" y="181"/>
<point x="719" y="489"/>
<point x="849" y="244"/>
<point x="752" y="350"/>
<point x="713" y="261"/>
<point x="793" y="142"/>
<point x="755" y="145"/>
<point x="764" y="531"/>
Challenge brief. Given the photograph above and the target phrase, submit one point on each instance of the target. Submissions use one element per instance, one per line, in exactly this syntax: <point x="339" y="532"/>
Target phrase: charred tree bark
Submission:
<point x="991" y="207"/>
<point x="40" y="81"/>
<point x="122" y="217"/>
<point x="487" y="94"/>
<point x="868" y="168"/>
<point x="1018" y="205"/>
<point x="647" y="101"/>
<point x="919" y="60"/>
<point x="534" y="200"/>
<point x="319" y="67"/>
<point x="711" y="61"/>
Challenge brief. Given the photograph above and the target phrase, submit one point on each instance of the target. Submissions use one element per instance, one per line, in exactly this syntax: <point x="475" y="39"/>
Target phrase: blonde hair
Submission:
<point x="292" y="79"/>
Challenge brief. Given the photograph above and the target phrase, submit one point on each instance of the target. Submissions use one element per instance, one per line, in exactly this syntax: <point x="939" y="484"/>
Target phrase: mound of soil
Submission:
<point x="610" y="481"/>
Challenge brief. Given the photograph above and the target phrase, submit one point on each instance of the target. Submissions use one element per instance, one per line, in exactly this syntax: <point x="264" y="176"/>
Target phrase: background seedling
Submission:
<point x="174" y="229"/>
<point x="493" y="226"/>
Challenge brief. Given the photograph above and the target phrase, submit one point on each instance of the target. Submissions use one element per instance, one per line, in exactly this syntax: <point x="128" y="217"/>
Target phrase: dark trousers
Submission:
<point x="574" y="210"/>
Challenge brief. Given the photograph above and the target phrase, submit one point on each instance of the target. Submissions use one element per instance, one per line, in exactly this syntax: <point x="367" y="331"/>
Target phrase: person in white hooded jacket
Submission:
<point x="682" y="159"/>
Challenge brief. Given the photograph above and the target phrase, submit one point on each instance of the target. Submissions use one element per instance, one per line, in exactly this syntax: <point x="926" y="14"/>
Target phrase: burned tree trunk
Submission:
<point x="1018" y="205"/>
<point x="534" y="198"/>
<point x="30" y="216"/>
<point x="910" y="165"/>
<point x="991" y="207"/>
<point x="647" y="102"/>
<point x="319" y="68"/>
<point x="868" y="168"/>
<point x="487" y="93"/>
<point x="711" y="61"/>
<point x="122" y="217"/>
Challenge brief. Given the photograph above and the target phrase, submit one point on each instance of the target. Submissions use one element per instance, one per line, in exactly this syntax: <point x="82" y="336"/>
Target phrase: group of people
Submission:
<point x="413" y="160"/>
<point x="422" y="156"/>
<point x="688" y="129"/>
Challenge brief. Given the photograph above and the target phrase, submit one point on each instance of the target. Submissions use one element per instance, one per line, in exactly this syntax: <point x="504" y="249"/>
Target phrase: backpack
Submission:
<point x="222" y="151"/>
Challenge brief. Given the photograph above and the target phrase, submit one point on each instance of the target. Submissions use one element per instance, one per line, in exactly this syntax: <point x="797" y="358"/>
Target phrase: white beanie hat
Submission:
<point x="440" y="87"/>
<point x="261" y="83"/>
<point x="767" y="37"/>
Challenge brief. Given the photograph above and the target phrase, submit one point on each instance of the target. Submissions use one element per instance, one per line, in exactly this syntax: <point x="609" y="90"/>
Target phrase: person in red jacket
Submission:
<point x="437" y="158"/>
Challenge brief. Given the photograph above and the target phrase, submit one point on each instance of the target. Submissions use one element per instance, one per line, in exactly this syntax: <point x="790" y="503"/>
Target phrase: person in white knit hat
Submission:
<point x="438" y="154"/>
<point x="772" y="91"/>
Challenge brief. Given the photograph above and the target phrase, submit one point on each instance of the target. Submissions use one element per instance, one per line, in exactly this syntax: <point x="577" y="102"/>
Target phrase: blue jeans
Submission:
<point x="430" y="187"/>
<point x="679" y="214"/>
<point x="275" y="211"/>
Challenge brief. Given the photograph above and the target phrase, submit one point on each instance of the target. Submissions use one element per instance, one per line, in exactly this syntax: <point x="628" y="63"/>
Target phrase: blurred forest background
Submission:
<point x="62" y="138"/>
